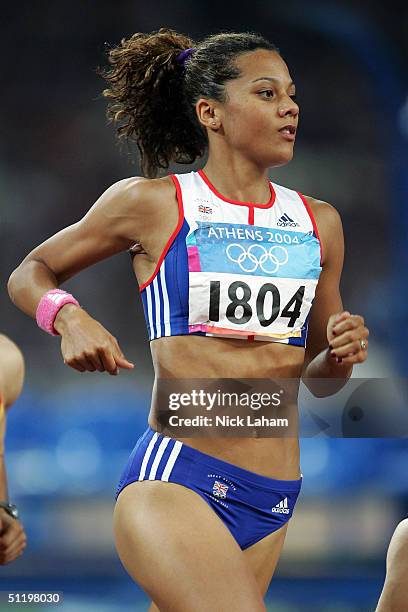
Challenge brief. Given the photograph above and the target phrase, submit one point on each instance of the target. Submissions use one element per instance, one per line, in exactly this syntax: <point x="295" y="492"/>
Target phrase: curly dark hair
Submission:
<point x="152" y="96"/>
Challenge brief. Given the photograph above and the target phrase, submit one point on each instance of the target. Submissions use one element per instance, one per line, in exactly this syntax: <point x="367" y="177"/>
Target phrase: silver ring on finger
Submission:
<point x="363" y="345"/>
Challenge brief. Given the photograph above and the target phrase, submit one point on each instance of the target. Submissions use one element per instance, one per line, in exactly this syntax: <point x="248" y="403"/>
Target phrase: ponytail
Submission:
<point x="154" y="85"/>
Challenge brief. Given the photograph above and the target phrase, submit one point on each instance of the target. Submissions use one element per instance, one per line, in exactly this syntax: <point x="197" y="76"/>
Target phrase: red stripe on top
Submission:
<point x="174" y="234"/>
<point x="251" y="204"/>
<point x="313" y="220"/>
<point x="251" y="222"/>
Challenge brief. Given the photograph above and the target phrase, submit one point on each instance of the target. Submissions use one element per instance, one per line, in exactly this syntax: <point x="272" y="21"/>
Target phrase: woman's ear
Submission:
<point x="207" y="114"/>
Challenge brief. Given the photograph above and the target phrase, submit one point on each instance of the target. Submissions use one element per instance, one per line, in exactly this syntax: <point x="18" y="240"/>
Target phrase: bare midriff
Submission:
<point x="182" y="357"/>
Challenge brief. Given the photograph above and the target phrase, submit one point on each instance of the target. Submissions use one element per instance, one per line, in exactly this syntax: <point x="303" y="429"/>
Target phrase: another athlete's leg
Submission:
<point x="178" y="550"/>
<point x="394" y="597"/>
<point x="263" y="557"/>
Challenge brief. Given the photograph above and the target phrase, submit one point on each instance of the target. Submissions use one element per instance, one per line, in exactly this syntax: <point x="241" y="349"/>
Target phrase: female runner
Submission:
<point x="221" y="301"/>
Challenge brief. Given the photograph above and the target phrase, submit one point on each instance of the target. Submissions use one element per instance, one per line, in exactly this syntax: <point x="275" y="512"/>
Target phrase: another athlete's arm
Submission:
<point x="118" y="219"/>
<point x="11" y="383"/>
<point x="11" y="370"/>
<point x="329" y="324"/>
<point x="12" y="535"/>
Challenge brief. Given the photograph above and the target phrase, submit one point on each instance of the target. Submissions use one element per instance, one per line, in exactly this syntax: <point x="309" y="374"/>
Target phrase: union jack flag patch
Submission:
<point x="220" y="489"/>
<point x="204" y="209"/>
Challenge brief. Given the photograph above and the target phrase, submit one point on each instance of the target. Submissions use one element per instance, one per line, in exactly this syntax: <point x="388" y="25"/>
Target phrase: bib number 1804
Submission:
<point x="291" y="310"/>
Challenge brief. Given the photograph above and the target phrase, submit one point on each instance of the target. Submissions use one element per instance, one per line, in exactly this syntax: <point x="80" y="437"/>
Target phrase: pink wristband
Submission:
<point x="49" y="306"/>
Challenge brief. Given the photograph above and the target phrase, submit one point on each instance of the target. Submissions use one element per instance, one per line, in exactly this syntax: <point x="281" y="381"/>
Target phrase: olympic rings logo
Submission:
<point x="269" y="261"/>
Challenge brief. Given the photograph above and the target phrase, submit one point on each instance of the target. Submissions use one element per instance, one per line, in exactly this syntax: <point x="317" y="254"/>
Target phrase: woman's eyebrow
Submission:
<point x="266" y="78"/>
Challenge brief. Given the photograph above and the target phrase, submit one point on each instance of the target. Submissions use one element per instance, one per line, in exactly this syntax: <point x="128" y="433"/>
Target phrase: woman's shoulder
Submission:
<point x="319" y="208"/>
<point x="146" y="188"/>
<point x="329" y="226"/>
<point x="323" y="211"/>
<point x="141" y="198"/>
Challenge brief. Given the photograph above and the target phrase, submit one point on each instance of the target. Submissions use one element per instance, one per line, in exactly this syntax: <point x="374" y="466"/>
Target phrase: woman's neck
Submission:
<point x="238" y="180"/>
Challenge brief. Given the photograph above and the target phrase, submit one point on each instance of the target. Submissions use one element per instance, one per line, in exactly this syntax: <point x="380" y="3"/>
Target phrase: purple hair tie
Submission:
<point x="182" y="57"/>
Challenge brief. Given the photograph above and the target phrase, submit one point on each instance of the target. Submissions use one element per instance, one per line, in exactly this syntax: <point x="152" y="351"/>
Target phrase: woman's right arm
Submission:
<point x="118" y="219"/>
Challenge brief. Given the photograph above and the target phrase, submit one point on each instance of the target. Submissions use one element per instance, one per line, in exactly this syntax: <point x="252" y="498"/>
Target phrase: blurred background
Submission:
<point x="70" y="434"/>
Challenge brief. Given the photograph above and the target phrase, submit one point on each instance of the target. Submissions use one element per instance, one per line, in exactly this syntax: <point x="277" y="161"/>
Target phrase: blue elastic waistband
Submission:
<point x="218" y="464"/>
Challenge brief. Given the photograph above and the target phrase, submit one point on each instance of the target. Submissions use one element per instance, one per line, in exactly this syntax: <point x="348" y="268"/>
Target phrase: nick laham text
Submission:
<point x="227" y="421"/>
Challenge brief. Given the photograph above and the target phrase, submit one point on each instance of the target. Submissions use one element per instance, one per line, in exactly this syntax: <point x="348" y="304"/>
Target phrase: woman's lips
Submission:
<point x="285" y="133"/>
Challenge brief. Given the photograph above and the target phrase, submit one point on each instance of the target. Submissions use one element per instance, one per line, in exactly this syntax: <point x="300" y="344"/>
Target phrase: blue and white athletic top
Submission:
<point x="235" y="269"/>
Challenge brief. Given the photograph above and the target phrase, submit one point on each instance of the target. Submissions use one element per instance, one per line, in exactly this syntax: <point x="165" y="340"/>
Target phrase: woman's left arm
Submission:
<point x="334" y="335"/>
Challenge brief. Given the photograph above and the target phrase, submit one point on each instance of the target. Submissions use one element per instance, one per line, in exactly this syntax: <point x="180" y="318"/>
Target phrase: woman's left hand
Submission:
<point x="347" y="337"/>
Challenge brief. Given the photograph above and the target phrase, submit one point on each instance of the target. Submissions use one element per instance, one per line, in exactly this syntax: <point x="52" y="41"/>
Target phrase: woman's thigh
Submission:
<point x="263" y="557"/>
<point x="178" y="550"/>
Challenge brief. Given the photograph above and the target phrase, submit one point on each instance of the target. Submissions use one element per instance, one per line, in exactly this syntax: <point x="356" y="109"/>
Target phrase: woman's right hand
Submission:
<point x="86" y="345"/>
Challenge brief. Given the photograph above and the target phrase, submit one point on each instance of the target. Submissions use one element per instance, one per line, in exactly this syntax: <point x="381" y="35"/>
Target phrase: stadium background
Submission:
<point x="69" y="435"/>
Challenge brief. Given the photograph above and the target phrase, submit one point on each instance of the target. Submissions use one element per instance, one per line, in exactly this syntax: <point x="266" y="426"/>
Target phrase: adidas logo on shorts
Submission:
<point x="282" y="507"/>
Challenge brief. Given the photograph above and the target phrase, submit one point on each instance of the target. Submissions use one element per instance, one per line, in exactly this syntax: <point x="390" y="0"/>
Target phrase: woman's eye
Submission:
<point x="270" y="94"/>
<point x="267" y="91"/>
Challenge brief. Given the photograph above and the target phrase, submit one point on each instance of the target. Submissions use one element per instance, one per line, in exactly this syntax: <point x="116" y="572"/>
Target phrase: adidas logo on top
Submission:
<point x="286" y="221"/>
<point x="282" y="507"/>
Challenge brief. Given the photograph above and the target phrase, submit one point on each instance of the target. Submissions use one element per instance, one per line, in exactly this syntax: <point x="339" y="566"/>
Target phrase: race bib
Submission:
<point x="251" y="279"/>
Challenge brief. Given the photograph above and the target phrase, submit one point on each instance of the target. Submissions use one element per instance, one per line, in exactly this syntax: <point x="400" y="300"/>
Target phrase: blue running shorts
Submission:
<point x="250" y="505"/>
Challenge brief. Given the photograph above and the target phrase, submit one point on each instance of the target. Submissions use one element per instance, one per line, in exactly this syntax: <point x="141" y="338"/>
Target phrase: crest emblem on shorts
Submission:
<point x="220" y="489"/>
